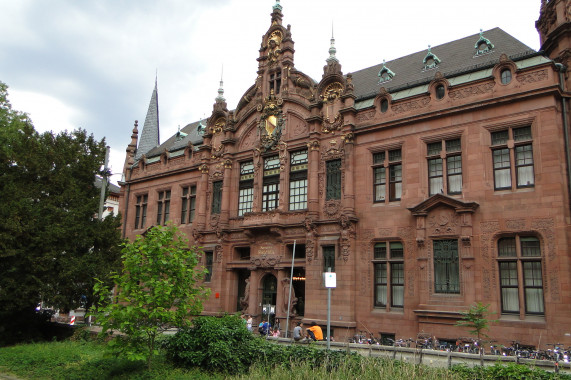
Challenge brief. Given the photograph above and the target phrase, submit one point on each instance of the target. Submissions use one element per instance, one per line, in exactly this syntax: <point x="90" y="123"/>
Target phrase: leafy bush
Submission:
<point x="509" y="371"/>
<point x="215" y="344"/>
<point x="225" y="345"/>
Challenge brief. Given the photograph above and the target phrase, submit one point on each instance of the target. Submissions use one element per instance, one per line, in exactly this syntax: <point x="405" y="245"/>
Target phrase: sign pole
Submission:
<point x="290" y="285"/>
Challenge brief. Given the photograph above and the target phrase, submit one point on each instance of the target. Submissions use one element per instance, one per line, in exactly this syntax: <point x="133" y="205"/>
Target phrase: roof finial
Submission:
<point x="220" y="96"/>
<point x="332" y="49"/>
<point x="277" y="5"/>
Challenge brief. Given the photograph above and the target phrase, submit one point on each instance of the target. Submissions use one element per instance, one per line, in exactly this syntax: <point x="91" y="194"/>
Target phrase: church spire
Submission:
<point x="150" y="134"/>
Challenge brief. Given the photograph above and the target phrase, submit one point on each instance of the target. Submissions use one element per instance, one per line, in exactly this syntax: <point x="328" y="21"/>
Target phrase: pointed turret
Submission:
<point x="333" y="66"/>
<point x="131" y="148"/>
<point x="150" y="134"/>
<point x="332" y="49"/>
<point x="220" y="97"/>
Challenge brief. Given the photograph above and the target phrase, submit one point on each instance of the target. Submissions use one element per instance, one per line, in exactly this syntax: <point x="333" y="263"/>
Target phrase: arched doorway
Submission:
<point x="269" y="296"/>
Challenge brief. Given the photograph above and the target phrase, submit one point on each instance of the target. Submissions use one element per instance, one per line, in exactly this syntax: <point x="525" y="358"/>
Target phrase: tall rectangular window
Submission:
<point x="449" y="166"/>
<point x="520" y="256"/>
<point x="298" y="181"/>
<point x="271" y="183"/>
<point x="216" y="197"/>
<point x="395" y="175"/>
<point x="388" y="265"/>
<point x="328" y="258"/>
<point x="333" y="174"/>
<point x="141" y="211"/>
<point x="246" y="188"/>
<point x="188" y="204"/>
<point x="209" y="260"/>
<point x="163" y="207"/>
<point x="275" y="82"/>
<point x="379" y="177"/>
<point x="446" y="266"/>
<point x="513" y="158"/>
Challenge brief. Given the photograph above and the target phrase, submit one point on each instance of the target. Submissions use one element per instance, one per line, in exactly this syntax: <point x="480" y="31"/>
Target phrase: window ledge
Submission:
<point x="534" y="321"/>
<point x="396" y="311"/>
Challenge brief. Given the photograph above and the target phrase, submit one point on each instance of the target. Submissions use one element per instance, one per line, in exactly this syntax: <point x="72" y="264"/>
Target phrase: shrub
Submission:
<point x="215" y="344"/>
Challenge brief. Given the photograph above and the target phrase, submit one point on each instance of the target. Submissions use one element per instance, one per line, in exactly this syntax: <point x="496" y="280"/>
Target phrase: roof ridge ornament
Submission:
<point x="483" y="45"/>
<point x="385" y="74"/>
<point x="431" y="60"/>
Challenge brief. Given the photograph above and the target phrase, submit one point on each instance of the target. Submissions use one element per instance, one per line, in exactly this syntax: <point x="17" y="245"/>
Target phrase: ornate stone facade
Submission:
<point x="408" y="189"/>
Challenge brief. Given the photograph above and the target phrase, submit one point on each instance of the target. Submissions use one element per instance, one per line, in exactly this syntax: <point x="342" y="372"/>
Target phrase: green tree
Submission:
<point x="157" y="289"/>
<point x="476" y="319"/>
<point x="51" y="246"/>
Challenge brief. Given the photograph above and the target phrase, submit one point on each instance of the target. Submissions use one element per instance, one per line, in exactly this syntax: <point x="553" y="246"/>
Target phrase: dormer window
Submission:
<point x="431" y="61"/>
<point x="483" y="45"/>
<point x="385" y="74"/>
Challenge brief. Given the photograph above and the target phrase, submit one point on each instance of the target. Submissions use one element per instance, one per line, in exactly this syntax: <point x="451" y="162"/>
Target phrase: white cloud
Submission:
<point x="47" y="113"/>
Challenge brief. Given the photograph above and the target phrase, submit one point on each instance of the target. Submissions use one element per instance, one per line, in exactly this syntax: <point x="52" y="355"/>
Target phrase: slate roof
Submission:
<point x="456" y="58"/>
<point x="150" y="134"/>
<point x="177" y="142"/>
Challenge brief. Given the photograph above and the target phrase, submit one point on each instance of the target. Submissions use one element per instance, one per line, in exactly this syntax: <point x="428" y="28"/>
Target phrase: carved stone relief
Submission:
<point x="489" y="229"/>
<point x="366" y="115"/>
<point x="467" y="92"/>
<point x="535" y="76"/>
<point x="219" y="253"/>
<point x="443" y="221"/>
<point x="411" y="105"/>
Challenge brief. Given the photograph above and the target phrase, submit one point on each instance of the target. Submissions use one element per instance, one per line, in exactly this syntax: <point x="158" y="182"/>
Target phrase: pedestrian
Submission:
<point x="298" y="332"/>
<point x="315" y="333"/>
<point x="249" y="322"/>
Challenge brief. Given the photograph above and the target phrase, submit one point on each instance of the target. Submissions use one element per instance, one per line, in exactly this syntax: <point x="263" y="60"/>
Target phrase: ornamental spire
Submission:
<point x="277" y="5"/>
<point x="332" y="49"/>
<point x="220" y="97"/>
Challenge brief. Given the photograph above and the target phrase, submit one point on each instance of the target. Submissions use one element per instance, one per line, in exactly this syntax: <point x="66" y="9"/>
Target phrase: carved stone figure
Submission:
<point x="292" y="310"/>
<point x="245" y="302"/>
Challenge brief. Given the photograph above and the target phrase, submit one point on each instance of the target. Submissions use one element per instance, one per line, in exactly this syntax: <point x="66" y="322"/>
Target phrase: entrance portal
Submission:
<point x="269" y="296"/>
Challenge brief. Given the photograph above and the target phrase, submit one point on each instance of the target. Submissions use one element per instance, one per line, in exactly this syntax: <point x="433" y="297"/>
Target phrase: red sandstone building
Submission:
<point x="426" y="183"/>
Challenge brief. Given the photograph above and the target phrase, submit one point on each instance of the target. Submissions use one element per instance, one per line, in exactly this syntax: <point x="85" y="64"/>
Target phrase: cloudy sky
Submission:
<point x="92" y="64"/>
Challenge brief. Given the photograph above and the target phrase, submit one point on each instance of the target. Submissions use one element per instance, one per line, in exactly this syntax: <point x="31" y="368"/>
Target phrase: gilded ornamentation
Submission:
<point x="271" y="122"/>
<point x="274" y="46"/>
<point x="332" y="92"/>
<point x="217" y="152"/>
<point x="218" y="126"/>
<point x="328" y="125"/>
<point x="313" y="145"/>
<point x="203" y="169"/>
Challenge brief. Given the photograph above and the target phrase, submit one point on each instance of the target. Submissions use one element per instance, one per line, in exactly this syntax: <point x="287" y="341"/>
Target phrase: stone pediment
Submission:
<point x="439" y="200"/>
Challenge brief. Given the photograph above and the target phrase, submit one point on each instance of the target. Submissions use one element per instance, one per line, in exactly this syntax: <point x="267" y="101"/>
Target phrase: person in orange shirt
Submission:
<point x="315" y="332"/>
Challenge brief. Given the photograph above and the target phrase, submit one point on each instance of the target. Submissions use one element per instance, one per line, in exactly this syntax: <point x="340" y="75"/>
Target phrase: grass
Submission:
<point x="89" y="360"/>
